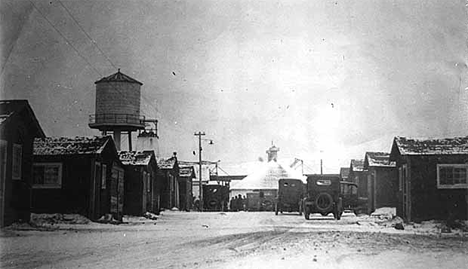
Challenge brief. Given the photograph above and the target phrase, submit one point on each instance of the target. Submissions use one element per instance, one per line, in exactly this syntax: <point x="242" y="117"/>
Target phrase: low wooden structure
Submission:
<point x="382" y="180"/>
<point x="186" y="175"/>
<point x="433" y="178"/>
<point x="18" y="129"/>
<point x="77" y="175"/>
<point x="169" y="184"/>
<point x="142" y="182"/>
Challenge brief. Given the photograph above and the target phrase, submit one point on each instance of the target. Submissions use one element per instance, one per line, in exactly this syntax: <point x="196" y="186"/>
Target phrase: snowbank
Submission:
<point x="57" y="218"/>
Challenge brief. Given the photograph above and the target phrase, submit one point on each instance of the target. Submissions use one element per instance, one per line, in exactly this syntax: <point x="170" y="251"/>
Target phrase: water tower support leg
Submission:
<point x="117" y="139"/>
<point x="129" y="141"/>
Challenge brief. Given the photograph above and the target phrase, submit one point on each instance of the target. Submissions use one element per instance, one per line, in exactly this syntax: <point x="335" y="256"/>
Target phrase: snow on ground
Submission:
<point x="235" y="240"/>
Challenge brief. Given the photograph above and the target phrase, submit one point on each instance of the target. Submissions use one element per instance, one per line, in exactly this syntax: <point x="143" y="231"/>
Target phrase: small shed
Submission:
<point x="344" y="173"/>
<point x="169" y="183"/>
<point x="18" y="128"/>
<point x="382" y="180"/>
<point x="186" y="175"/>
<point x="432" y="177"/>
<point x="77" y="175"/>
<point x="141" y="182"/>
<point x="358" y="175"/>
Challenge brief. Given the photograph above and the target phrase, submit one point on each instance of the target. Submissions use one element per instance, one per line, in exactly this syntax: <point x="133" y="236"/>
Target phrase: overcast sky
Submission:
<point x="330" y="79"/>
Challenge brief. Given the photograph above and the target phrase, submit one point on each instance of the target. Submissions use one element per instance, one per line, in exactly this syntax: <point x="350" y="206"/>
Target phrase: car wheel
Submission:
<point x="306" y="212"/>
<point x="324" y="202"/>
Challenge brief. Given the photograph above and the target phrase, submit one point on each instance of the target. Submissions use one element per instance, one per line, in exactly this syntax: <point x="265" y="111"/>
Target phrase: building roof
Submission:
<point x="441" y="146"/>
<point x="136" y="157"/>
<point x="167" y="164"/>
<point x="357" y="165"/>
<point x="8" y="108"/>
<point x="70" y="146"/>
<point x="378" y="159"/>
<point x="266" y="176"/>
<point x="118" y="77"/>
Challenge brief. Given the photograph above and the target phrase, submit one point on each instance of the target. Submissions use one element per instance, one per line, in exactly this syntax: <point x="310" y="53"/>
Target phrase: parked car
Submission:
<point x="215" y="197"/>
<point x="260" y="201"/>
<point x="290" y="194"/>
<point x="323" y="196"/>
<point x="351" y="199"/>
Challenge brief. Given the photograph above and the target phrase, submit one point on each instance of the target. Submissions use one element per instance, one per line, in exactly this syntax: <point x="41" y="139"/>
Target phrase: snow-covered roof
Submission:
<point x="266" y="176"/>
<point x="167" y="164"/>
<point x="70" y="146"/>
<point x="118" y="77"/>
<point x="357" y="165"/>
<point x="136" y="157"/>
<point x="378" y="159"/>
<point x="441" y="146"/>
<point x="8" y="108"/>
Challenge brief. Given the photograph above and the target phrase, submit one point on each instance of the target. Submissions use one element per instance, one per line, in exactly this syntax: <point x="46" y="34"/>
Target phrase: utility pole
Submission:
<point x="199" y="134"/>
<point x="321" y="167"/>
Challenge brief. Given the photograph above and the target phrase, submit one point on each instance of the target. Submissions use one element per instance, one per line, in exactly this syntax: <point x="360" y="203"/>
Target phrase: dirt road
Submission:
<point x="235" y="240"/>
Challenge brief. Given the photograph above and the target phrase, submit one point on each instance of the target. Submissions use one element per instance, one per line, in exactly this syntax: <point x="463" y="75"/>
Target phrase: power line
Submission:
<point x="66" y="40"/>
<point x="87" y="35"/>
<point x="99" y="49"/>
<point x="76" y="50"/>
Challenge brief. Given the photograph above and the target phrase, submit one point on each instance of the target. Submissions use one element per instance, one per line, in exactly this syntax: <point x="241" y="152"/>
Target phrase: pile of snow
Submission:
<point x="57" y="218"/>
<point x="150" y="215"/>
<point x="108" y="218"/>
<point x="386" y="213"/>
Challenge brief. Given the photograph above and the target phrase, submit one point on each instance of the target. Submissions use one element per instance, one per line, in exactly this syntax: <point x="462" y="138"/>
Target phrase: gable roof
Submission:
<point x="136" y="157"/>
<point x="8" y="108"/>
<point x="167" y="164"/>
<point x="357" y="165"/>
<point x="118" y="77"/>
<point x="378" y="159"/>
<point x="266" y="177"/>
<point x="441" y="146"/>
<point x="71" y="146"/>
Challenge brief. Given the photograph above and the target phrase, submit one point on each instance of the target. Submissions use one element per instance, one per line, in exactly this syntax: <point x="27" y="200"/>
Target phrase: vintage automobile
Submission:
<point x="261" y="200"/>
<point x="351" y="199"/>
<point x="215" y="197"/>
<point x="323" y="196"/>
<point x="289" y="198"/>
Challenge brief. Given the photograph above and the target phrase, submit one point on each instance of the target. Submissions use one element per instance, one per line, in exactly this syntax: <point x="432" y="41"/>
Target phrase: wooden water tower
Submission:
<point x="118" y="107"/>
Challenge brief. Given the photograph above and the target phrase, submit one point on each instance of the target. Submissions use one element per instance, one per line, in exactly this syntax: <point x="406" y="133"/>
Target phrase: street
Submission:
<point x="235" y="240"/>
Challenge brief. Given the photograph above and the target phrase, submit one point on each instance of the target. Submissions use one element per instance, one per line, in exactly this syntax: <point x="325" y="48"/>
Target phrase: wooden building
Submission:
<point x="432" y="177"/>
<point x="169" y="184"/>
<point x="186" y="175"/>
<point x="344" y="173"/>
<point x="358" y="175"/>
<point x="77" y="175"/>
<point x="382" y="180"/>
<point x="18" y="128"/>
<point x="142" y="182"/>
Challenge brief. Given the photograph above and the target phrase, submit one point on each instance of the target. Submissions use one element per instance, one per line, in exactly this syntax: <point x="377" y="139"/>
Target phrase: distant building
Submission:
<point x="344" y="173"/>
<point x="382" y="180"/>
<point x="18" y="128"/>
<point x="186" y="175"/>
<point x="77" y="175"/>
<point x="170" y="182"/>
<point x="433" y="178"/>
<point x="142" y="182"/>
<point x="358" y="175"/>
<point x="261" y="185"/>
